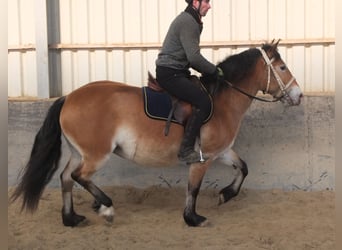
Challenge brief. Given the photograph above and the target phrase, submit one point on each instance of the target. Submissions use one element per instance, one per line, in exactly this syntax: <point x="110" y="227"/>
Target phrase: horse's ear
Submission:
<point x="274" y="45"/>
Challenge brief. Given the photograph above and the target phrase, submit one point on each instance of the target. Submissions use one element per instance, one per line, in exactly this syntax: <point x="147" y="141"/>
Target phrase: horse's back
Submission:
<point x="101" y="89"/>
<point x="102" y="96"/>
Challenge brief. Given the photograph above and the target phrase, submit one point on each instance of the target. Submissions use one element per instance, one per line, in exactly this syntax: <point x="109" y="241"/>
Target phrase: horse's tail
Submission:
<point x="44" y="159"/>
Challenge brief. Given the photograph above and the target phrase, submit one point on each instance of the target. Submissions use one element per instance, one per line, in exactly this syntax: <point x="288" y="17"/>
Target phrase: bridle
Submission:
<point x="282" y="86"/>
<point x="282" y="93"/>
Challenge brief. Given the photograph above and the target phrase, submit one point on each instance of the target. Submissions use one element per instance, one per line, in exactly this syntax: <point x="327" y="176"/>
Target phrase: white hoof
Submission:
<point x="107" y="213"/>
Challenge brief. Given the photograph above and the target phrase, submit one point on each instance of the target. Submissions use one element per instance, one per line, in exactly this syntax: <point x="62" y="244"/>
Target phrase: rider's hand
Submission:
<point x="217" y="76"/>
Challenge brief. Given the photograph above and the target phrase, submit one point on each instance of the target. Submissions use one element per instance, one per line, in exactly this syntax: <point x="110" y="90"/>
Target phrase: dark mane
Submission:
<point x="238" y="66"/>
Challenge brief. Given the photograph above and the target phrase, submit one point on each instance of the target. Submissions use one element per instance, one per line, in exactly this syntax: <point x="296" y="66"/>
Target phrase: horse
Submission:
<point x="105" y="117"/>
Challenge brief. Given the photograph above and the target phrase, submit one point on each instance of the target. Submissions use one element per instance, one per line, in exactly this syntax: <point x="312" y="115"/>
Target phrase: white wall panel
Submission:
<point x="117" y="66"/>
<point x="66" y="21"/>
<point x="329" y="63"/>
<point x="115" y="21"/>
<point x="329" y="18"/>
<point x="67" y="71"/>
<point x="221" y="28"/>
<point x="119" y="39"/>
<point x="98" y="69"/>
<point x="26" y="28"/>
<point x="22" y="74"/>
<point x="14" y="21"/>
<point x="97" y="21"/>
<point x="259" y="21"/>
<point x="295" y="19"/>
<point x="314" y="16"/>
<point x="14" y="79"/>
<point x="295" y="59"/>
<point x="132" y="21"/>
<point x="277" y="19"/>
<point x="149" y="21"/>
<point x="314" y="65"/>
<point x="166" y="12"/>
<point x="240" y="20"/>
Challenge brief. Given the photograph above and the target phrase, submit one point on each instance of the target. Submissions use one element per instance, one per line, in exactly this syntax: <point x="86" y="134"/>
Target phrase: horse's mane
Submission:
<point x="237" y="67"/>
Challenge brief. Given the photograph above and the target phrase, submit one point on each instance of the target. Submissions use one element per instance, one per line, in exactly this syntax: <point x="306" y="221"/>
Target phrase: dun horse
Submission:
<point x="105" y="117"/>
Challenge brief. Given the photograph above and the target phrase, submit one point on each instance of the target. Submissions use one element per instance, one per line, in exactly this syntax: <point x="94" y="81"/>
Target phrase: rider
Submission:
<point x="179" y="52"/>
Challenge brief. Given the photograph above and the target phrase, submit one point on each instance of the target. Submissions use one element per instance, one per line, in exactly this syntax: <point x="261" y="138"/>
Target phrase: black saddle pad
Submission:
<point x="157" y="105"/>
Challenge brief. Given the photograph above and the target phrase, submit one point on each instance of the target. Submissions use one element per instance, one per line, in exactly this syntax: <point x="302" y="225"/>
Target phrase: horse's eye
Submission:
<point x="283" y="67"/>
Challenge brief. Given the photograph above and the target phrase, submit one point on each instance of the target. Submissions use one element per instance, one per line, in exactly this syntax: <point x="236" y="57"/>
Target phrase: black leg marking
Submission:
<point x="190" y="216"/>
<point x="96" y="205"/>
<point x="227" y="193"/>
<point x="71" y="219"/>
<point x="233" y="189"/>
<point x="192" y="219"/>
<point x="99" y="195"/>
<point x="244" y="168"/>
<point x="103" y="205"/>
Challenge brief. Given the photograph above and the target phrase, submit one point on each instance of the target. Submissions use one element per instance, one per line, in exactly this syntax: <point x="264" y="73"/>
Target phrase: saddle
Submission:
<point x="158" y="104"/>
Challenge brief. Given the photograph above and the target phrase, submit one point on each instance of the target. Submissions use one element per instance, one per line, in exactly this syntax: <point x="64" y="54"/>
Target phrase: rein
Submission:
<point x="252" y="96"/>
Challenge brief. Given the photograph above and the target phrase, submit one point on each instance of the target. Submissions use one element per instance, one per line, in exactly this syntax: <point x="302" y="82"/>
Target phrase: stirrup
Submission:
<point x="193" y="157"/>
<point x="202" y="159"/>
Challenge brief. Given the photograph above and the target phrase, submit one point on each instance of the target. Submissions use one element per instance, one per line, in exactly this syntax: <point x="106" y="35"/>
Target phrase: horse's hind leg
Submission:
<point x="232" y="159"/>
<point x="196" y="173"/>
<point x="69" y="217"/>
<point x="82" y="176"/>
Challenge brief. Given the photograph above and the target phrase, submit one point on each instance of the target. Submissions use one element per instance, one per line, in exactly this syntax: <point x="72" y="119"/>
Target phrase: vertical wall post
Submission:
<point x="54" y="34"/>
<point x="42" y="50"/>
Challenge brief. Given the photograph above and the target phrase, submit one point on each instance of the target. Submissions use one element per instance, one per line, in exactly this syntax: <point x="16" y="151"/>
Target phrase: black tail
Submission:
<point x="44" y="159"/>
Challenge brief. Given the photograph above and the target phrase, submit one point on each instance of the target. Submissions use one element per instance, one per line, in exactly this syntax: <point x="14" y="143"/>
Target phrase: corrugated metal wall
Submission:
<point x="119" y="39"/>
<point x="22" y="75"/>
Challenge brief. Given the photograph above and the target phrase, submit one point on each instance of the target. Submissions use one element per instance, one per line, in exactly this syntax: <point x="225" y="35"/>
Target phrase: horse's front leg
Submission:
<point x="196" y="173"/>
<point x="230" y="158"/>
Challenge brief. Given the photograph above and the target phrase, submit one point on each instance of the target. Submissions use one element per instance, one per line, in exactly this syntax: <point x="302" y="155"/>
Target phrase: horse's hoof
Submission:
<point x="107" y="213"/>
<point x="221" y="199"/>
<point x="226" y="194"/>
<point x="205" y="223"/>
<point x="72" y="219"/>
<point x="194" y="220"/>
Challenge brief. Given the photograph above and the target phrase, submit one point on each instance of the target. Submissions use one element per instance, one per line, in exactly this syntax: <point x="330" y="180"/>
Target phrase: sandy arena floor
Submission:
<point x="151" y="218"/>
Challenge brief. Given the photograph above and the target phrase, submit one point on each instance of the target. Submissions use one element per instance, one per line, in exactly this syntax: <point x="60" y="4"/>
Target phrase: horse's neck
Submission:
<point x="236" y="103"/>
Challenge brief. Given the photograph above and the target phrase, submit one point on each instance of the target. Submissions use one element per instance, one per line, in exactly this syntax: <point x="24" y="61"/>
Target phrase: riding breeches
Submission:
<point x="178" y="84"/>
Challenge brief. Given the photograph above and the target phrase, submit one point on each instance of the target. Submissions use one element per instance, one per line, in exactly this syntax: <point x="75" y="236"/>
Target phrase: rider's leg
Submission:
<point x="187" y="152"/>
<point x="180" y="86"/>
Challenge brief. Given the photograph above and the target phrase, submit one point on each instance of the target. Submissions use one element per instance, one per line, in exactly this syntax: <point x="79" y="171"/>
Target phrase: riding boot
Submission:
<point x="192" y="129"/>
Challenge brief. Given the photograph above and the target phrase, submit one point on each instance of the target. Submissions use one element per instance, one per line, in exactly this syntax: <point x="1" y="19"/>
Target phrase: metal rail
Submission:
<point x="147" y="46"/>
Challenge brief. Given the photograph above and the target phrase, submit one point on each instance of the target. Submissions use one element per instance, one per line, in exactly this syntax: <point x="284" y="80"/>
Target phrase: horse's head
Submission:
<point x="281" y="84"/>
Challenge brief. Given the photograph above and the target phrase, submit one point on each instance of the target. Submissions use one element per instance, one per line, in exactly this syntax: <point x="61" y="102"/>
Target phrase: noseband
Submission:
<point x="282" y="93"/>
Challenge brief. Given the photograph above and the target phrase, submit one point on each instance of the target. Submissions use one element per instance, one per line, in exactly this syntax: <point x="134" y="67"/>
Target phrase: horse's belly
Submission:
<point x="148" y="149"/>
<point x="148" y="157"/>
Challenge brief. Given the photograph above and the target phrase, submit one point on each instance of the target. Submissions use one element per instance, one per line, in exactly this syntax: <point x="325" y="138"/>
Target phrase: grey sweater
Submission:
<point x="181" y="49"/>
